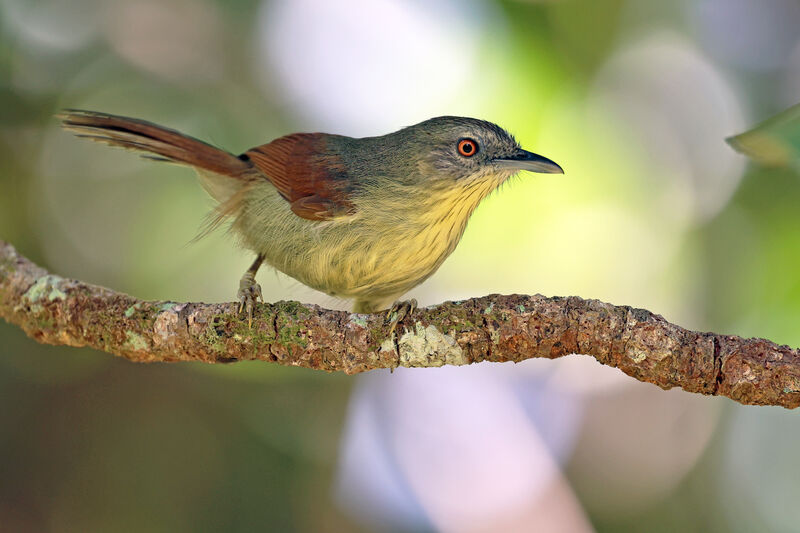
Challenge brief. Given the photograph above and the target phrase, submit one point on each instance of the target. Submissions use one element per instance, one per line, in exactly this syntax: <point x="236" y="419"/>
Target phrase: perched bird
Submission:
<point x="367" y="218"/>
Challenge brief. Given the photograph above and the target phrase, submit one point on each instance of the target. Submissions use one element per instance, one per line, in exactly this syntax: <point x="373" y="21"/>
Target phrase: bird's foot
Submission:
<point x="249" y="293"/>
<point x="399" y="311"/>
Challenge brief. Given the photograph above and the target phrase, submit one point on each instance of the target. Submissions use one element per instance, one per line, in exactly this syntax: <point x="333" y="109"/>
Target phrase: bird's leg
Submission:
<point x="399" y="311"/>
<point x="249" y="290"/>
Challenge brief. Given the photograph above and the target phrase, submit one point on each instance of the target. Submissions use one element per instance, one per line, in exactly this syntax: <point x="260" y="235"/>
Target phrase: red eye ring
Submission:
<point x="467" y="147"/>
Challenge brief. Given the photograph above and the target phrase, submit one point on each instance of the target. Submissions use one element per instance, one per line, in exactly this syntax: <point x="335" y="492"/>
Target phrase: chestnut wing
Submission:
<point x="307" y="174"/>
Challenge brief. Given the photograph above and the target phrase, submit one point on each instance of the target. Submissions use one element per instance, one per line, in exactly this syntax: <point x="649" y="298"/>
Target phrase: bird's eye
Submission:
<point x="467" y="147"/>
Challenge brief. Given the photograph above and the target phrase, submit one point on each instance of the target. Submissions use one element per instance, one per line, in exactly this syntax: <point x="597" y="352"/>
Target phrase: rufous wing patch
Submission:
<point x="307" y="174"/>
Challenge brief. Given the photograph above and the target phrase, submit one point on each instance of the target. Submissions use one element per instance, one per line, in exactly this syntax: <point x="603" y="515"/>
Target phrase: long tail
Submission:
<point x="223" y="175"/>
<point x="160" y="143"/>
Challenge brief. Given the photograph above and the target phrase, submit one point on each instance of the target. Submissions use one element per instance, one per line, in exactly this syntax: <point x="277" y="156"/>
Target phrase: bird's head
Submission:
<point x="464" y="149"/>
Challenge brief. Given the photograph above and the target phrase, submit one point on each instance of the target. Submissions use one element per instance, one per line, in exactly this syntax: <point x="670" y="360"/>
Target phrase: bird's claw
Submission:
<point x="399" y="311"/>
<point x="249" y="293"/>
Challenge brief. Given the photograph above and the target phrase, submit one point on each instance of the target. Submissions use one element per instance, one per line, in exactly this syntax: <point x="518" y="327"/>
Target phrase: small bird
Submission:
<point x="363" y="218"/>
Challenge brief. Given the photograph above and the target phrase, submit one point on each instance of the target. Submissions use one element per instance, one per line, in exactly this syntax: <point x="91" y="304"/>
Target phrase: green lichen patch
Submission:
<point x="134" y="341"/>
<point x="291" y="309"/>
<point x="292" y="334"/>
<point x="288" y="327"/>
<point x="257" y="335"/>
<point x="288" y="323"/>
<point x="46" y="288"/>
<point x="427" y="346"/>
<point x="211" y="338"/>
<point x="358" y="319"/>
<point x="387" y="345"/>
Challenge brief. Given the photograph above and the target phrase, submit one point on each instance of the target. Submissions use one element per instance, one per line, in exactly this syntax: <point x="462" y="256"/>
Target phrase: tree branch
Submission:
<point x="54" y="310"/>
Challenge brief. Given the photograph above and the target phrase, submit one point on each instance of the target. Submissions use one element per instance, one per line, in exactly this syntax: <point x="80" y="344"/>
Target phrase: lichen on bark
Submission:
<point x="56" y="310"/>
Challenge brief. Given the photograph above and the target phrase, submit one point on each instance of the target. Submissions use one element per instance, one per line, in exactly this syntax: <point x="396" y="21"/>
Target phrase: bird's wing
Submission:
<point x="310" y="176"/>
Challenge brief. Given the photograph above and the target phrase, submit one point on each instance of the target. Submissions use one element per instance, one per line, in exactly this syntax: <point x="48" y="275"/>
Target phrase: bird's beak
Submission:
<point x="524" y="160"/>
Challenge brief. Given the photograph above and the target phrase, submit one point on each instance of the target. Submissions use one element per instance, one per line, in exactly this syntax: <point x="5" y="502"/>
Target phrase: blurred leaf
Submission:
<point x="774" y="142"/>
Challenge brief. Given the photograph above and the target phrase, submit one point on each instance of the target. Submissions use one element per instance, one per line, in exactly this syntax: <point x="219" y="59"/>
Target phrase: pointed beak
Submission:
<point x="524" y="160"/>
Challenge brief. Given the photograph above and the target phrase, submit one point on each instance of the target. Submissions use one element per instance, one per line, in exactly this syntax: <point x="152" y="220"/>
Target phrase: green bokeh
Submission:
<point x="93" y="443"/>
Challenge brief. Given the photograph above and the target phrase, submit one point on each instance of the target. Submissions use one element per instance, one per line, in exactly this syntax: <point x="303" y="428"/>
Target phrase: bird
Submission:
<point x="366" y="219"/>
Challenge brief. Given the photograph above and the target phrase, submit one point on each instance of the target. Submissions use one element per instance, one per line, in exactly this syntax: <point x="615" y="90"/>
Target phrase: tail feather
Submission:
<point x="156" y="141"/>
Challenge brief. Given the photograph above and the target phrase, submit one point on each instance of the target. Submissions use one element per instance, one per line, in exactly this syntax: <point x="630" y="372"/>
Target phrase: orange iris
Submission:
<point x="467" y="147"/>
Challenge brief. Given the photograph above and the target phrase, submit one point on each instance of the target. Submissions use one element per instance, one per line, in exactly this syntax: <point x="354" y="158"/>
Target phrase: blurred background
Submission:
<point x="632" y="97"/>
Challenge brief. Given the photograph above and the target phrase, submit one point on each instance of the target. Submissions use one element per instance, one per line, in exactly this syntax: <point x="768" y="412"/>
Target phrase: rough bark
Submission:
<point x="55" y="310"/>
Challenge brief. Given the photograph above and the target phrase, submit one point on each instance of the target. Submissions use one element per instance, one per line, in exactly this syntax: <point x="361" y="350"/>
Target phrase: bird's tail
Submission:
<point x="223" y="175"/>
<point x="159" y="143"/>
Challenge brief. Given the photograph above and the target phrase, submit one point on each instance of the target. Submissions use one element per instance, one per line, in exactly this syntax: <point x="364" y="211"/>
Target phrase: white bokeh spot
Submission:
<point x="369" y="66"/>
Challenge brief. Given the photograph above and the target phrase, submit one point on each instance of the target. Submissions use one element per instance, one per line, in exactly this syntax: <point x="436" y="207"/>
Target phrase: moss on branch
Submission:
<point x="55" y="310"/>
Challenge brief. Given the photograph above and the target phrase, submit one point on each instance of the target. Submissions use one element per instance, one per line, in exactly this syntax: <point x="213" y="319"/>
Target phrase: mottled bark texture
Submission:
<point x="54" y="310"/>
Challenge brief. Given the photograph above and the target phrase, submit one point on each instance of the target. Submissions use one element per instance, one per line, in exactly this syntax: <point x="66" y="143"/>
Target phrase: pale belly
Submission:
<point x="374" y="256"/>
<point x="354" y="261"/>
